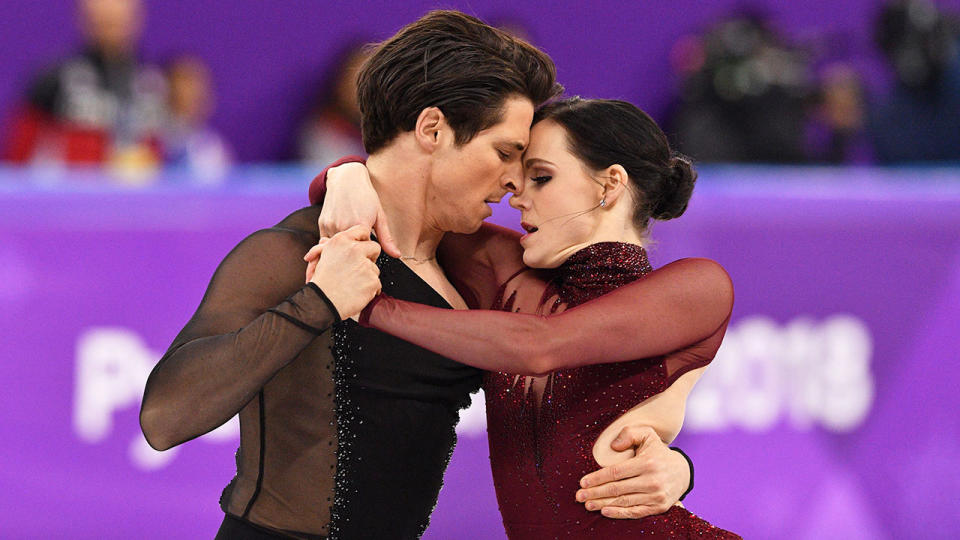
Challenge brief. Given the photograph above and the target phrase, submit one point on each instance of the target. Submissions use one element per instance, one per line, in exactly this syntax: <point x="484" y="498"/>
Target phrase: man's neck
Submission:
<point x="399" y="176"/>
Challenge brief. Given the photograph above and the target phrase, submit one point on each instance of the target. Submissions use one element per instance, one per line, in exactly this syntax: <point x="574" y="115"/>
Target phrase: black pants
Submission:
<point x="234" y="528"/>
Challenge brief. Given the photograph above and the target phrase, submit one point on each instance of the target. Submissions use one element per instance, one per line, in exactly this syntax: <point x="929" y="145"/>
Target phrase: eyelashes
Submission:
<point x="539" y="180"/>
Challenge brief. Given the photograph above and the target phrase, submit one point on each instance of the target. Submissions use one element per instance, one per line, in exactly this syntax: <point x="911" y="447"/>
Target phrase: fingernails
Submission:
<point x="591" y="506"/>
<point x="618" y="440"/>
<point x="581" y="496"/>
<point x="584" y="483"/>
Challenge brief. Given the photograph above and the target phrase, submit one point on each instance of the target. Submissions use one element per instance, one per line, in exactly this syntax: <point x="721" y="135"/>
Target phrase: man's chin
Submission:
<point x="474" y="228"/>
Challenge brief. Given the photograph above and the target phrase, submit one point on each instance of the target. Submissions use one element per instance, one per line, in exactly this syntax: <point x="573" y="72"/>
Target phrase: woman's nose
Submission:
<point x="518" y="201"/>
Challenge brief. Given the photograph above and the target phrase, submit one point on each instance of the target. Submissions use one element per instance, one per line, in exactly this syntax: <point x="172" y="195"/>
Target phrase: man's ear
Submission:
<point x="430" y="124"/>
<point x="615" y="184"/>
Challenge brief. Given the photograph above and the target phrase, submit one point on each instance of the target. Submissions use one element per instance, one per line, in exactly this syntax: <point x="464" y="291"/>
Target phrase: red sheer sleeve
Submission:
<point x="682" y="308"/>
<point x="318" y="186"/>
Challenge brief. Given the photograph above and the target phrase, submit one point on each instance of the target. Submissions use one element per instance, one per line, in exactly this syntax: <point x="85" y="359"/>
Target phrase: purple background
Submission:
<point x="804" y="246"/>
<point x="268" y="57"/>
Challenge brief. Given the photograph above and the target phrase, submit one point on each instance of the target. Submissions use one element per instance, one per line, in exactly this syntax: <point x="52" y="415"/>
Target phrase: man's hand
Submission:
<point x="649" y="483"/>
<point x="345" y="269"/>
<point x="351" y="200"/>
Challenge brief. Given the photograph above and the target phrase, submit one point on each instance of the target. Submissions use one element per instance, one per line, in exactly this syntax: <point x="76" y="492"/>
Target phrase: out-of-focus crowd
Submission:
<point x="746" y="94"/>
<point x="102" y="106"/>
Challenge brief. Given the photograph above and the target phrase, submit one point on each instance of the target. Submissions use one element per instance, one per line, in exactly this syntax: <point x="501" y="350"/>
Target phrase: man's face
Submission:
<point x="465" y="179"/>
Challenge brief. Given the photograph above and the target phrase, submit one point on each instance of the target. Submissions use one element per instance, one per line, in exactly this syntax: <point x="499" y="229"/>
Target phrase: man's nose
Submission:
<point x="512" y="179"/>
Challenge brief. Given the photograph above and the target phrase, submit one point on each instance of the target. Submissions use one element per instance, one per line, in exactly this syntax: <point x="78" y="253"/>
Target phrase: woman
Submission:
<point x="595" y="328"/>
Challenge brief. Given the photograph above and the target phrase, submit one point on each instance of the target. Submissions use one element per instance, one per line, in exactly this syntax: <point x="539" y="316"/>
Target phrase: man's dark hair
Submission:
<point x="452" y="61"/>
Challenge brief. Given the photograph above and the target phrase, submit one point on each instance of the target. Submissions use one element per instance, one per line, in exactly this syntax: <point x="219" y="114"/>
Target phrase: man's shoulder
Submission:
<point x="300" y="225"/>
<point x="292" y="236"/>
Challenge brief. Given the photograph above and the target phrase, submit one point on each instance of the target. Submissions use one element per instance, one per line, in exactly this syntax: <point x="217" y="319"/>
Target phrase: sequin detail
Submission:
<point x="396" y="407"/>
<point x="542" y="430"/>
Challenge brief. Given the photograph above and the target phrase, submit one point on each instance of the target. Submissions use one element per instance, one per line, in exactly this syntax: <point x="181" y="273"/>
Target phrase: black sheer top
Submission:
<point x="345" y="431"/>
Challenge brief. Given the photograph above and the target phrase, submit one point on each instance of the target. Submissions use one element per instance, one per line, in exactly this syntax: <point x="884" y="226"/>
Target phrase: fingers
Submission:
<point x="370" y="250"/>
<point x="315" y="251"/>
<point x="311" y="269"/>
<point x="633" y="436"/>
<point x="642" y="504"/>
<point x="612" y="473"/>
<point x="382" y="230"/>
<point x="357" y="232"/>
<point x="633" y="512"/>
<point x="617" y="489"/>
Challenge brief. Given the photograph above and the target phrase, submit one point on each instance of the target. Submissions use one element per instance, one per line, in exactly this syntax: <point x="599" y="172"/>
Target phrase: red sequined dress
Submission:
<point x="611" y="332"/>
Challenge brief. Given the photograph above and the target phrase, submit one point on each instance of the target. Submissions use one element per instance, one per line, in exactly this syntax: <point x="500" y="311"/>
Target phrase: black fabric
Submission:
<point x="398" y="406"/>
<point x="343" y="435"/>
<point x="234" y="528"/>
<point x="690" y="465"/>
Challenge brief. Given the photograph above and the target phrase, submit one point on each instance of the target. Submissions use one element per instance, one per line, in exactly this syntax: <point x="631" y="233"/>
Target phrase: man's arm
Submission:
<point x="255" y="317"/>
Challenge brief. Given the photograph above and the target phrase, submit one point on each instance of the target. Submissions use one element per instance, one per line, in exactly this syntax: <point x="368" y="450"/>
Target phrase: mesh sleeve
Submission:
<point x="255" y="317"/>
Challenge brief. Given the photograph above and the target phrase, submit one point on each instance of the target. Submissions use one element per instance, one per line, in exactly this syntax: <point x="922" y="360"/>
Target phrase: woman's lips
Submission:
<point x="530" y="229"/>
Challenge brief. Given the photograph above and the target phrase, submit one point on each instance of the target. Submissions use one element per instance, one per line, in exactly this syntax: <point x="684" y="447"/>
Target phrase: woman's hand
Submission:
<point x="344" y="267"/>
<point x="351" y="200"/>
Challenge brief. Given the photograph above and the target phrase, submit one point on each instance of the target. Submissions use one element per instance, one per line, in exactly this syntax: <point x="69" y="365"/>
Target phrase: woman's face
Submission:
<point x="559" y="202"/>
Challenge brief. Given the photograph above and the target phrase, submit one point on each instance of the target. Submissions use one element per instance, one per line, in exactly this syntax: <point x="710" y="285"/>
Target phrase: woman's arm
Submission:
<point x="685" y="303"/>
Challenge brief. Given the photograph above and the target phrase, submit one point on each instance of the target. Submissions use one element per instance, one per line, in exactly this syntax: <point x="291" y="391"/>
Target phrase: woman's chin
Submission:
<point x="530" y="259"/>
<point x="533" y="260"/>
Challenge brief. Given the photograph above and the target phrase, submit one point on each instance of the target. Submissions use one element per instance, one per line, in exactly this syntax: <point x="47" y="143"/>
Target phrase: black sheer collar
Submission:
<point x="596" y="270"/>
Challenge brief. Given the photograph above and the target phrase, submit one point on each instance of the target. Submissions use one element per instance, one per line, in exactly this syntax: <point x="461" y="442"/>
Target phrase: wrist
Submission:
<point x="364" y="319"/>
<point x="318" y="187"/>
<point x="326" y="299"/>
<point x="689" y="463"/>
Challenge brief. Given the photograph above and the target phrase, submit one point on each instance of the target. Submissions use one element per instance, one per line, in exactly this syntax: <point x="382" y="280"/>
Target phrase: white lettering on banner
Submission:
<point x="812" y="373"/>
<point x="807" y="372"/>
<point x="112" y="367"/>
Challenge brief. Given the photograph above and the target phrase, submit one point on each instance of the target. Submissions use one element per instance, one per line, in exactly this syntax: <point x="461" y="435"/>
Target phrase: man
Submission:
<point x="345" y="431"/>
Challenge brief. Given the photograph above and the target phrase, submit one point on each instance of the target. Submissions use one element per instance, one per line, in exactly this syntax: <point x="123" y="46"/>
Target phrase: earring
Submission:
<point x="603" y="202"/>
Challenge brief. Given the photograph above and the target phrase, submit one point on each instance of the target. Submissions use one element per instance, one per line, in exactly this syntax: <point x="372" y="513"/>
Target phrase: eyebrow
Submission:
<point x="530" y="162"/>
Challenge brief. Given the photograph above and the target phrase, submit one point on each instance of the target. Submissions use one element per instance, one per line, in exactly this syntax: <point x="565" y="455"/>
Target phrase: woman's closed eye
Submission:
<point x="540" y="180"/>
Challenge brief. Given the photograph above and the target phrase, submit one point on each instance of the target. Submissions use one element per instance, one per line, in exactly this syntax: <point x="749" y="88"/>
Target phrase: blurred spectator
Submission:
<point x="333" y="128"/>
<point x="920" y="119"/>
<point x="743" y="95"/>
<point x="837" y="131"/>
<point x="187" y="140"/>
<point x="99" y="106"/>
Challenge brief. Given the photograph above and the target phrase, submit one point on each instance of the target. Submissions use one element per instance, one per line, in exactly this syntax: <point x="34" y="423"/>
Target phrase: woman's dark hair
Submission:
<point x="452" y="61"/>
<point x="605" y="132"/>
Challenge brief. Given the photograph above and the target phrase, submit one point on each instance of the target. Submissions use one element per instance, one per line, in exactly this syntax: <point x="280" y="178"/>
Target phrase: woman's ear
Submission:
<point x="428" y="127"/>
<point x="615" y="184"/>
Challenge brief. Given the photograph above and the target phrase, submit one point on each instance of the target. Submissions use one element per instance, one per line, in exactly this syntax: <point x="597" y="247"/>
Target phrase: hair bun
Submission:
<point x="677" y="189"/>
